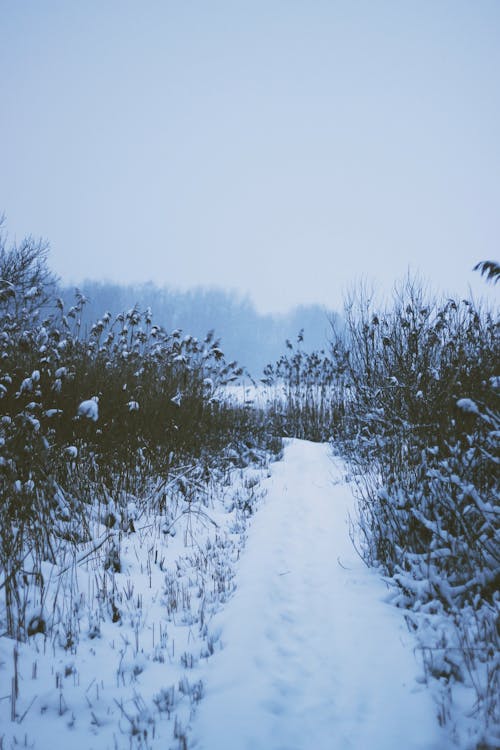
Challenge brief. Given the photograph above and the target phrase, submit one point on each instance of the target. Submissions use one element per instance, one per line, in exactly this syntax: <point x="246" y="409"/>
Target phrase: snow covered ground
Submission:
<point x="313" y="657"/>
<point x="120" y="666"/>
<point x="271" y="635"/>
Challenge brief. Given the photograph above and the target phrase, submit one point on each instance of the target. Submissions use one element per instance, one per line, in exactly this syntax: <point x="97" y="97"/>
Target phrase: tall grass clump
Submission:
<point x="306" y="392"/>
<point x="94" y="415"/>
<point x="421" y="428"/>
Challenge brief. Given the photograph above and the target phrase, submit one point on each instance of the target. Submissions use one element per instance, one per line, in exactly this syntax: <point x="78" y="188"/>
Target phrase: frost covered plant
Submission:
<point x="90" y="415"/>
<point x="307" y="387"/>
<point x="421" y="429"/>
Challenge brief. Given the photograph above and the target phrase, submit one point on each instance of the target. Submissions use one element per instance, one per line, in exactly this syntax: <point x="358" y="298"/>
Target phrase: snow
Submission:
<point x="313" y="657"/>
<point x="467" y="405"/>
<point x="26" y="385"/>
<point x="255" y="628"/>
<point x="121" y="668"/>
<point x="89" y="409"/>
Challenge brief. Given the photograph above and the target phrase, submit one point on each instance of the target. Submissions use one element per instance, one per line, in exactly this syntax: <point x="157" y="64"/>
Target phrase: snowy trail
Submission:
<point x="313" y="658"/>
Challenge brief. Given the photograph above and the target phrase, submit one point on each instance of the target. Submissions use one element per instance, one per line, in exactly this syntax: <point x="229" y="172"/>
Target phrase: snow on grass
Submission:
<point x="468" y="406"/>
<point x="89" y="409"/>
<point x="171" y="636"/>
<point x="118" y="665"/>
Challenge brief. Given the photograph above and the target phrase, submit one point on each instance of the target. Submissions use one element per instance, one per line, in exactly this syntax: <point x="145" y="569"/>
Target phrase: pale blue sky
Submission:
<point x="279" y="148"/>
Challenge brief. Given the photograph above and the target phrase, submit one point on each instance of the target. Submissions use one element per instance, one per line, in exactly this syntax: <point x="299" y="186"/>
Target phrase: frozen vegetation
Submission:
<point x="252" y="338"/>
<point x="189" y="560"/>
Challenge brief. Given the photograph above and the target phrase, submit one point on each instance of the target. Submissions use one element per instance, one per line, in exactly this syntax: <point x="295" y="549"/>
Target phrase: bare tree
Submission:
<point x="25" y="277"/>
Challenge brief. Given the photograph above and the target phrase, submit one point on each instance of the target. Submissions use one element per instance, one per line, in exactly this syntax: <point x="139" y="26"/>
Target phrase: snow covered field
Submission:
<point x="269" y="635"/>
<point x="131" y="625"/>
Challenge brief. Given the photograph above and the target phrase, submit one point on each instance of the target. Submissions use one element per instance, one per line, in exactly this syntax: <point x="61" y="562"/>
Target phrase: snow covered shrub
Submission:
<point x="90" y="416"/>
<point x="423" y="418"/>
<point x="422" y="430"/>
<point x="307" y="402"/>
<point x="28" y="492"/>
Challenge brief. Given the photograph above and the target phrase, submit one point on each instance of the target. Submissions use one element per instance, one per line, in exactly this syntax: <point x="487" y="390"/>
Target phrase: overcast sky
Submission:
<point x="283" y="149"/>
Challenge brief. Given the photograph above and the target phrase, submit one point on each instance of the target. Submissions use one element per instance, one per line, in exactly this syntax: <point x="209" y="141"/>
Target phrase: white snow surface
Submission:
<point x="312" y="656"/>
<point x="89" y="409"/>
<point x="288" y="639"/>
<point x="468" y="405"/>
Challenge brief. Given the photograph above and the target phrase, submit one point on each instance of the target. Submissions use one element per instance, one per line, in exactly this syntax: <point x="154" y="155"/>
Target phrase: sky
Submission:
<point x="282" y="149"/>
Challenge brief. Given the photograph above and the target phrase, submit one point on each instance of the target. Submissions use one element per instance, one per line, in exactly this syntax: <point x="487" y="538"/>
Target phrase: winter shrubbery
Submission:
<point x="306" y="393"/>
<point x="91" y="414"/>
<point x="101" y="421"/>
<point x="410" y="395"/>
<point x="421" y="428"/>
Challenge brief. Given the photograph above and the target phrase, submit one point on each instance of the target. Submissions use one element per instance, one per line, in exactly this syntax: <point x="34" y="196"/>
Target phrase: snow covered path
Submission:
<point x="313" y="658"/>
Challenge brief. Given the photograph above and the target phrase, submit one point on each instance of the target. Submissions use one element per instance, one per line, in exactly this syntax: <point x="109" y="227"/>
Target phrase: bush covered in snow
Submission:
<point x="421" y="428"/>
<point x="410" y="394"/>
<point x="96" y="411"/>
<point x="306" y="392"/>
